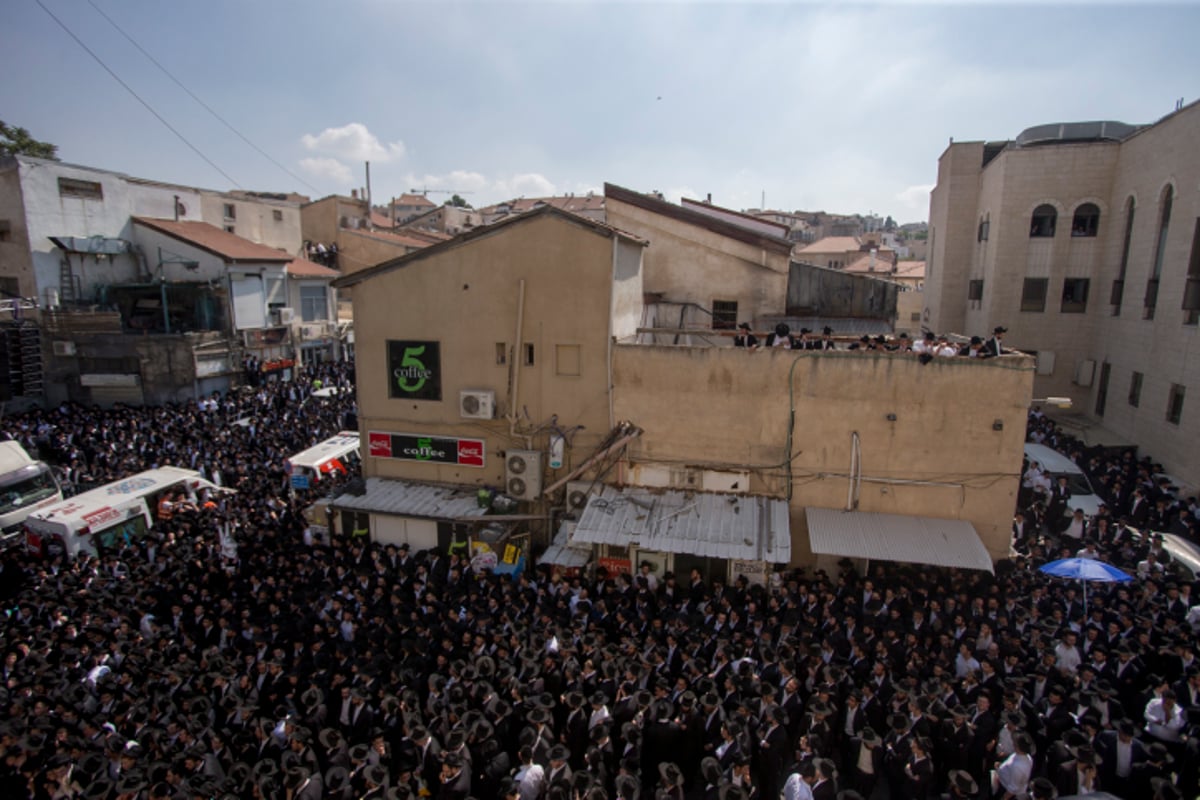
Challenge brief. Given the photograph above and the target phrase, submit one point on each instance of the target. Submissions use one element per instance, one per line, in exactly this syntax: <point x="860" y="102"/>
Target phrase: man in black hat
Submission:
<point x="994" y="346"/>
<point x="745" y="338"/>
<point x="455" y="779"/>
<point x="1120" y="751"/>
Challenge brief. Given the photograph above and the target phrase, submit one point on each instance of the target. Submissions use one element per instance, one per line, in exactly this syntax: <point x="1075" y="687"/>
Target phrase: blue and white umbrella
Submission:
<point x="1085" y="569"/>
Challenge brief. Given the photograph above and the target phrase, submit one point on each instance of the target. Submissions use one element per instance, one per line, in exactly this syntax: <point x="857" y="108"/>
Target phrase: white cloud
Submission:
<point x="328" y="168"/>
<point x="354" y="142"/>
<point x="916" y="199"/>
<point x="526" y="184"/>
<point x="484" y="190"/>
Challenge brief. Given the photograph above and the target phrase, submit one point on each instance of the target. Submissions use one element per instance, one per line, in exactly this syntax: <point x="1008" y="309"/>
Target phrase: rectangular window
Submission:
<point x="5" y="230"/>
<point x="1075" y="295"/>
<point x="916" y="316"/>
<point x="230" y="229"/>
<point x="1135" y="389"/>
<point x="724" y="315"/>
<point x="10" y="287"/>
<point x="975" y="290"/>
<point x="88" y="190"/>
<point x="567" y="362"/>
<point x="529" y="354"/>
<point x="1033" y="294"/>
<point x="314" y="305"/>
<point x="277" y="215"/>
<point x="1175" y="404"/>
<point x="230" y="211"/>
<point x="501" y="354"/>
<point x="1191" y="289"/>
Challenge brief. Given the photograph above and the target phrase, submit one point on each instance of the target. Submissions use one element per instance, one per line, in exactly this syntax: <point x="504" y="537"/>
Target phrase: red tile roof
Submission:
<point x="380" y="220"/>
<point x="303" y="268"/>
<point x="414" y="200"/>
<point x="228" y="246"/>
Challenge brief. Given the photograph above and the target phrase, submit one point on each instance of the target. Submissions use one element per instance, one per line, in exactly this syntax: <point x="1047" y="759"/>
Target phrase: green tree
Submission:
<point x="18" y="142"/>
<point x="458" y="202"/>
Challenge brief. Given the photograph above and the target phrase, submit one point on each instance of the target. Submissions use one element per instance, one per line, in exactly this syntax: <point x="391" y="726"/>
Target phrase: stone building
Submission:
<point x="1083" y="240"/>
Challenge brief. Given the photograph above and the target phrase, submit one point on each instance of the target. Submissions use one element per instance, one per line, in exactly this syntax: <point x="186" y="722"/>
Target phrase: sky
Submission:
<point x="840" y="107"/>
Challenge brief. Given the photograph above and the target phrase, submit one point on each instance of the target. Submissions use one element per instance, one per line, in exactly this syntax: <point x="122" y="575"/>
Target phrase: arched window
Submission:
<point x="985" y="224"/>
<point x="1087" y="220"/>
<point x="1160" y="248"/>
<point x="1044" y="219"/>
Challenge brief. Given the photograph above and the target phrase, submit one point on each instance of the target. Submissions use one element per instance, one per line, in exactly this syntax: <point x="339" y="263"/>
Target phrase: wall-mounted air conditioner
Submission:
<point x="578" y="493"/>
<point x="64" y="348"/>
<point x="477" y="404"/>
<point x="523" y="474"/>
<point x="283" y="316"/>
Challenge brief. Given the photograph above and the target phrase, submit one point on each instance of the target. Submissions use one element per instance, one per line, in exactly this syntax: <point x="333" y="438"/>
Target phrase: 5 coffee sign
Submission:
<point x="414" y="370"/>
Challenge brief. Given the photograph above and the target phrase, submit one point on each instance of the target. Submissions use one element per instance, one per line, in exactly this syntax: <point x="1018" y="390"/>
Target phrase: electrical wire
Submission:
<point x="136" y="96"/>
<point x="203" y="104"/>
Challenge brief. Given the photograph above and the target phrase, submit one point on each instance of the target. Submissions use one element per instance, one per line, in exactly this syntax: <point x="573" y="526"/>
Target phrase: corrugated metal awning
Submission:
<point x="91" y="245"/>
<point x="412" y="499"/>
<point x="563" y="552"/>
<point x="701" y="523"/>
<point x="895" y="537"/>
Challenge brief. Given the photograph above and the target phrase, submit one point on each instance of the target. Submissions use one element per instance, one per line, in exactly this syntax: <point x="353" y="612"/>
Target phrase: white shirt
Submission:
<point x="529" y="781"/>
<point x="795" y="788"/>
<point x="1161" y="725"/>
<point x="1013" y="775"/>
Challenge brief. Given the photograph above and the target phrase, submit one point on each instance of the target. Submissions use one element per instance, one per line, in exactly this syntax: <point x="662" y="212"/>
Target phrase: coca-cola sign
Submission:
<point x="423" y="447"/>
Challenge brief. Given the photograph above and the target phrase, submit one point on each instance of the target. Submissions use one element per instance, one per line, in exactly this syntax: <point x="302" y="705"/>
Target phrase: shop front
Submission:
<point x="723" y="536"/>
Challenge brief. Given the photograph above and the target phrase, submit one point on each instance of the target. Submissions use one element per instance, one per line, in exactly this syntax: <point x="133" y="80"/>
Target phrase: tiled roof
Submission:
<point x="225" y="245"/>
<point x="414" y="200"/>
<point x="833" y="244"/>
<point x="380" y="220"/>
<point x="910" y="269"/>
<point x="303" y="268"/>
<point x="575" y="203"/>
<point x="387" y="236"/>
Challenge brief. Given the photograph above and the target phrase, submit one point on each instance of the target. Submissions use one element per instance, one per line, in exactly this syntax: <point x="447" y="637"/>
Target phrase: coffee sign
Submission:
<point x="414" y="370"/>
<point x="433" y="449"/>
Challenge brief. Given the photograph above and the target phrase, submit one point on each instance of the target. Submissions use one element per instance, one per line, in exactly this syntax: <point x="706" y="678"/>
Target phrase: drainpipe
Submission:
<point x="516" y="365"/>
<point x="162" y="291"/>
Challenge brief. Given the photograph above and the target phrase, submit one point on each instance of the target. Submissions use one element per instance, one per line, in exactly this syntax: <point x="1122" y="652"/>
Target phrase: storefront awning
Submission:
<point x="701" y="523"/>
<point x="412" y="499"/>
<point x="894" y="537"/>
<point x="563" y="552"/>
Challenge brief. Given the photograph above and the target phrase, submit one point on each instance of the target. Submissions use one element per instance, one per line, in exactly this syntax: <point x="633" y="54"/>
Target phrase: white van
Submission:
<point x="25" y="485"/>
<point x="108" y="516"/>
<point x="1056" y="465"/>
<point x="337" y="453"/>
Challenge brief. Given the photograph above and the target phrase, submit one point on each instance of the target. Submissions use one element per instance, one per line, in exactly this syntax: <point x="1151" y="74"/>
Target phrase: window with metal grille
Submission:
<point x="724" y="315"/>
<point x="314" y="305"/>
<point x="88" y="190"/>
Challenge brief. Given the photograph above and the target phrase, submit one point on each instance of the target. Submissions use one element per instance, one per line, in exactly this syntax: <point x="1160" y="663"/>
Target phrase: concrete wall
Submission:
<point x="952" y="207"/>
<point x="466" y="298"/>
<point x="15" y="260"/>
<point x="726" y="409"/>
<point x="687" y="263"/>
<point x="255" y="220"/>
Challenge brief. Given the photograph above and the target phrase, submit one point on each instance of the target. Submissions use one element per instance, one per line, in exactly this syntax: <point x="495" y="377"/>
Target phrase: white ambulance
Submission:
<point x="109" y="516"/>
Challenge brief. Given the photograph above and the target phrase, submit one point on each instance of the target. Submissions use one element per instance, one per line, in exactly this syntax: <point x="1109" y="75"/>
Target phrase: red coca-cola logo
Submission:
<point x="379" y="445"/>
<point x="470" y="452"/>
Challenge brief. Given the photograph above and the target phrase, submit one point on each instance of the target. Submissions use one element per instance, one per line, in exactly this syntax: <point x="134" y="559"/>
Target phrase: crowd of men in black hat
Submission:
<point x="928" y="347"/>
<point x="350" y="670"/>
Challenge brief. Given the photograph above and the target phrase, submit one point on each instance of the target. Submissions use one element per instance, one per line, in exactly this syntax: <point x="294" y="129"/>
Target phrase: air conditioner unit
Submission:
<point x="1045" y="362"/>
<point x="283" y="316"/>
<point x="64" y="348"/>
<point x="477" y="404"/>
<point x="311" y="331"/>
<point x="578" y="493"/>
<point x="523" y="474"/>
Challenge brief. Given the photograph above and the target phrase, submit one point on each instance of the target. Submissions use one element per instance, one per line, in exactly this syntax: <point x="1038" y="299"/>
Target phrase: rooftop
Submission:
<point x="303" y="268"/>
<point x="228" y="246"/>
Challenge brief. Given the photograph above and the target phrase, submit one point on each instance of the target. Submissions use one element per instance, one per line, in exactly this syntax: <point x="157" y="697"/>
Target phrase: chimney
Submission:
<point x="708" y="198"/>
<point x="871" y="263"/>
<point x="354" y="194"/>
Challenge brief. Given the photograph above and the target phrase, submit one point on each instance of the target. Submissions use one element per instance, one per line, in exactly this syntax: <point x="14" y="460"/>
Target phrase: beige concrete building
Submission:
<point x="1083" y="239"/>
<point x="703" y="272"/>
<point x="344" y="223"/>
<point x="508" y="360"/>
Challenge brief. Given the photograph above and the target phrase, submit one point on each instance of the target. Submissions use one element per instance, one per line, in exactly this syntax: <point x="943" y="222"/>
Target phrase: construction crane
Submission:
<point x="426" y="191"/>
